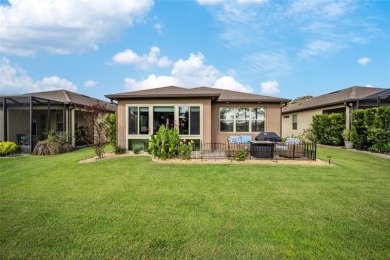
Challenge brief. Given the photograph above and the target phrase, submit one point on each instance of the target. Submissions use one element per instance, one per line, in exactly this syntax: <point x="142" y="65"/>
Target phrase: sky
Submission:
<point x="283" y="49"/>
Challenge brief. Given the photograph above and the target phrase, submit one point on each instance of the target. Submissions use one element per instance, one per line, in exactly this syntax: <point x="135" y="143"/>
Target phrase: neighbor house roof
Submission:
<point x="337" y="97"/>
<point x="217" y="95"/>
<point x="382" y="95"/>
<point x="69" y="97"/>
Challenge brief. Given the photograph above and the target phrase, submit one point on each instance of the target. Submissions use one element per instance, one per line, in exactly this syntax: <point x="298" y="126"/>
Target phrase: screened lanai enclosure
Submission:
<point x="27" y="119"/>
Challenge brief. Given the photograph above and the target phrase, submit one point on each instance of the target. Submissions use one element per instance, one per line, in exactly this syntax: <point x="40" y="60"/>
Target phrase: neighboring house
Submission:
<point x="201" y="114"/>
<point x="298" y="116"/>
<point x="26" y="119"/>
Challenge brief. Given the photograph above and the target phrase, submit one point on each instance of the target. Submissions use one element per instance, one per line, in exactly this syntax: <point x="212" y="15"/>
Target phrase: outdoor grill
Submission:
<point x="268" y="136"/>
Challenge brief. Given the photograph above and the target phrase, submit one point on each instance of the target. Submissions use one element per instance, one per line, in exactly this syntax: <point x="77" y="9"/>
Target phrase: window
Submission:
<point x="142" y="118"/>
<point x="163" y="116"/>
<point x="295" y="122"/>
<point x="138" y="120"/>
<point x="60" y="121"/>
<point x="226" y="119"/>
<point x="242" y="119"/>
<point x="258" y="119"/>
<point x="189" y="120"/>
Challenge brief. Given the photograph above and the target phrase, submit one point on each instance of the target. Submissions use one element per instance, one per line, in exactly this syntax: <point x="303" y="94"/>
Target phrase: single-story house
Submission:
<point x="26" y="119"/>
<point x="298" y="116"/>
<point x="202" y="114"/>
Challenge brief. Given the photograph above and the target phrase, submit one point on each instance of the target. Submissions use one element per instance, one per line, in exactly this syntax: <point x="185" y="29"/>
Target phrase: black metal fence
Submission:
<point x="302" y="151"/>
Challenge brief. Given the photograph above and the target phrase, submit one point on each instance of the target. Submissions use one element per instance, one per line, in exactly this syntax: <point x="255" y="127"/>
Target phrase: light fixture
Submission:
<point x="329" y="157"/>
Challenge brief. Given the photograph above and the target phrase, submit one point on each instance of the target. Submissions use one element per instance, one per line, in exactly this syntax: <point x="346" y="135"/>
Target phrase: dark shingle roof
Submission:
<point x="333" y="98"/>
<point x="218" y="95"/>
<point x="67" y="97"/>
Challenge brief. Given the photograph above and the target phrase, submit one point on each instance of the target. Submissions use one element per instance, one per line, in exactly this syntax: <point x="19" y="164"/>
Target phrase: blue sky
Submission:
<point x="277" y="48"/>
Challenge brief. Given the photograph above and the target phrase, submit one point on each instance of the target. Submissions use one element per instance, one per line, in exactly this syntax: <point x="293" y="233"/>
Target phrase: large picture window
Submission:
<point x="147" y="119"/>
<point x="241" y="119"/>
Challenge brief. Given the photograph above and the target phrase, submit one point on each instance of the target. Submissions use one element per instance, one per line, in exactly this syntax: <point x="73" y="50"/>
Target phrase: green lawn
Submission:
<point x="131" y="207"/>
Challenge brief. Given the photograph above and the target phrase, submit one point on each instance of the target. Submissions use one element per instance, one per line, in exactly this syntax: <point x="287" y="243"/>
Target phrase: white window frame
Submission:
<point x="234" y="119"/>
<point x="176" y="116"/>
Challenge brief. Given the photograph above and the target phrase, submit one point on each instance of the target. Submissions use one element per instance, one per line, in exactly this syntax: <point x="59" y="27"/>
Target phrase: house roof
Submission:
<point x="382" y="95"/>
<point x="217" y="95"/>
<point x="334" y="98"/>
<point x="67" y="97"/>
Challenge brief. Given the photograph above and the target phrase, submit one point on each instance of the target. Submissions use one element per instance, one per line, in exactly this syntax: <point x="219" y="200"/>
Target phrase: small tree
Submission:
<point x="110" y="120"/>
<point x="94" y="115"/>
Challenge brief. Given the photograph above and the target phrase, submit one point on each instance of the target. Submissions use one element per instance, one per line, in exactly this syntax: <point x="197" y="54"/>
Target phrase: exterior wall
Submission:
<point x="304" y="120"/>
<point x="122" y="135"/>
<point x="272" y="120"/>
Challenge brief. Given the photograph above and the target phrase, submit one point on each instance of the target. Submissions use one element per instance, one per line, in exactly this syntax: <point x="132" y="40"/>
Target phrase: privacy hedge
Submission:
<point x="372" y="129"/>
<point x="328" y="128"/>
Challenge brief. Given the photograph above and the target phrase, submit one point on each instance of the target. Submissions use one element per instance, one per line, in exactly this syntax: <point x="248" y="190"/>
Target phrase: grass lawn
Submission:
<point x="131" y="207"/>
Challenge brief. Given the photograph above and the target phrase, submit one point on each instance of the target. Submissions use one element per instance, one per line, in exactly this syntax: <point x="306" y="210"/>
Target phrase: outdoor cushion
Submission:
<point x="246" y="138"/>
<point x="234" y="139"/>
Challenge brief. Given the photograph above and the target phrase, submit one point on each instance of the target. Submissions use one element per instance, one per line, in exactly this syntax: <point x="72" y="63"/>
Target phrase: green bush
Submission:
<point x="185" y="149"/>
<point x="372" y="128"/>
<point x="240" y="155"/>
<point x="120" y="150"/>
<point x="8" y="148"/>
<point x="327" y="128"/>
<point x="137" y="150"/>
<point x="164" y="143"/>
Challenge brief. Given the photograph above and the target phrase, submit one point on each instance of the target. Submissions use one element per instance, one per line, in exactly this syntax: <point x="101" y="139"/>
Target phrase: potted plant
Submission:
<point x="347" y="139"/>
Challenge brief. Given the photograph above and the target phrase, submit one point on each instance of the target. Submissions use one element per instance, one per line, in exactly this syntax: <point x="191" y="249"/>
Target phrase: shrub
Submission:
<point x="185" y="149"/>
<point x="240" y="155"/>
<point x="137" y="150"/>
<point x="328" y="128"/>
<point x="164" y="143"/>
<point x="8" y="148"/>
<point x="110" y="120"/>
<point x="120" y="150"/>
<point x="54" y="144"/>
<point x="372" y="128"/>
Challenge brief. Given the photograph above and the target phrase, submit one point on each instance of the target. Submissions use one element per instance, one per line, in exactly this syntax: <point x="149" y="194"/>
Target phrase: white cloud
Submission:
<point x="192" y="72"/>
<point x="369" y="86"/>
<point x="252" y="2"/>
<point x="145" y="61"/>
<point x="54" y="83"/>
<point x="273" y="63"/>
<point x="210" y="2"/>
<point x="269" y="88"/>
<point x="230" y="83"/>
<point x="318" y="47"/>
<point x="90" y="83"/>
<point x="14" y="80"/>
<point x="152" y="81"/>
<point x="364" y="61"/>
<point x="158" y="27"/>
<point x="28" y="26"/>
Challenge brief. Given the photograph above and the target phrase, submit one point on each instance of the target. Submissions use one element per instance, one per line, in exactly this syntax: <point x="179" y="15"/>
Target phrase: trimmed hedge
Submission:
<point x="371" y="129"/>
<point x="328" y="128"/>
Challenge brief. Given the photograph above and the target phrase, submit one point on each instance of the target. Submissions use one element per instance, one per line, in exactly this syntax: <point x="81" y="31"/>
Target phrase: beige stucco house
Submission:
<point x="201" y="114"/>
<point x="26" y="119"/>
<point x="298" y="116"/>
